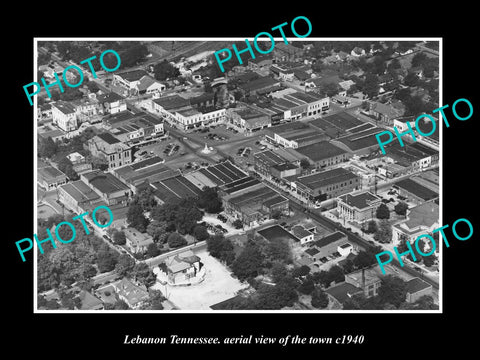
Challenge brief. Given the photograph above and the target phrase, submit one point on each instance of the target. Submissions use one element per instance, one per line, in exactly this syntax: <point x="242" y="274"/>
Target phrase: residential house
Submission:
<point x="135" y="296"/>
<point x="420" y="220"/>
<point x="181" y="269"/>
<point x="385" y="113"/>
<point x="136" y="241"/>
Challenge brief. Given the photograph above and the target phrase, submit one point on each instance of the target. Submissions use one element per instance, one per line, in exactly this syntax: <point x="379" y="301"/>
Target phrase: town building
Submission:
<point x="252" y="204"/>
<point x="247" y="119"/>
<point x="179" y="111"/>
<point x="112" y="103"/>
<point x="79" y="197"/>
<point x="107" y="186"/>
<point x="111" y="149"/>
<point x="320" y="249"/>
<point x="136" y="241"/>
<point x="294" y="135"/>
<point x="50" y="178"/>
<point x="415" y="191"/>
<point x="323" y="154"/>
<point x="133" y="129"/>
<point x="358" y="207"/>
<point x="64" y="116"/>
<point x="365" y="279"/>
<point x="302" y="234"/>
<point x="326" y="184"/>
<point x="384" y="113"/>
<point x="416" y="288"/>
<point x="420" y="220"/>
<point x="79" y="162"/>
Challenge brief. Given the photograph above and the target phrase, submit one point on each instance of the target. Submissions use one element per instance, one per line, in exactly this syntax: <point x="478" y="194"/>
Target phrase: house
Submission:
<point x="128" y="79"/>
<point x="148" y="85"/>
<point x="326" y="246"/>
<point x="44" y="112"/>
<point x="89" y="301"/>
<point x="416" y="288"/>
<point x="135" y="296"/>
<point x="260" y="63"/>
<point x="385" y="113"/>
<point x="181" y="269"/>
<point x="303" y="234"/>
<point x="80" y="165"/>
<point x="136" y="241"/>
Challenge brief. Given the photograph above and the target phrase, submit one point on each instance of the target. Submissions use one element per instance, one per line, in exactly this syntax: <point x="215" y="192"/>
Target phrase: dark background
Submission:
<point x="101" y="334"/>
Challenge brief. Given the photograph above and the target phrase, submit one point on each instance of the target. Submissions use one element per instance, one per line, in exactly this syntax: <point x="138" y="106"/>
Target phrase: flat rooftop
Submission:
<point x="361" y="200"/>
<point x="105" y="182"/>
<point x="325" y="178"/>
<point x="277" y="233"/>
<point x="320" y="151"/>
<point x="416" y="189"/>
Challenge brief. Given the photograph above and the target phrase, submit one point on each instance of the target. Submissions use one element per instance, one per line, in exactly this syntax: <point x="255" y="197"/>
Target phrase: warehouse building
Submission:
<point x="326" y="184"/>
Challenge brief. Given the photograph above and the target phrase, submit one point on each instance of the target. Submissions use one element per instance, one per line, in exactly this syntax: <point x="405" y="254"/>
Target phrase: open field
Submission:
<point x="217" y="286"/>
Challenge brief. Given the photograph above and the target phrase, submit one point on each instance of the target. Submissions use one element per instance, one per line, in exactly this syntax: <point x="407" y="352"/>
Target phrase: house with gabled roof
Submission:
<point x="133" y="295"/>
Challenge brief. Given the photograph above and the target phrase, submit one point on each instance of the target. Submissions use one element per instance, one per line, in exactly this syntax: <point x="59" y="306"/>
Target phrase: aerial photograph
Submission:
<point x="169" y="185"/>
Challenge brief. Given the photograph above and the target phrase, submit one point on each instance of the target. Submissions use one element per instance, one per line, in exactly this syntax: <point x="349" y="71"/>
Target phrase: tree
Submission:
<point x="411" y="79"/>
<point x="278" y="250"/>
<point x="335" y="274"/>
<point x="238" y="224"/>
<point x="364" y="259"/>
<point x="319" y="298"/>
<point x="155" y="300"/>
<point x="106" y="261"/>
<point x="210" y="201"/>
<point x="307" y="286"/>
<point x="305" y="164"/>
<point x="158" y="231"/>
<point x="401" y="208"/>
<point x="384" y="232"/>
<point x="221" y="248"/>
<point x="200" y="232"/>
<point x="135" y="217"/>
<point x="429" y="260"/>
<point x="301" y="271"/>
<point x="119" y="237"/>
<point x="249" y="262"/>
<point x="418" y="59"/>
<point x="164" y="70"/>
<point x="124" y="265"/>
<point x="121" y="305"/>
<point x="153" y="250"/>
<point x="46" y="147"/>
<point x="278" y="271"/>
<point x="382" y="212"/>
<point x="392" y="290"/>
<point x="371" y="227"/>
<point x="370" y="86"/>
<point x="143" y="274"/>
<point x="146" y="199"/>
<point x="176" y="240"/>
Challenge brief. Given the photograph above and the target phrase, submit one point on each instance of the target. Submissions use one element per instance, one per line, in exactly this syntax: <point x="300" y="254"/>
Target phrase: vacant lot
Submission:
<point x="217" y="286"/>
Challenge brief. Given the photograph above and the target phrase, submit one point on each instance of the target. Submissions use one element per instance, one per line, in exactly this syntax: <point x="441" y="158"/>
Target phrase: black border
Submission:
<point x="104" y="333"/>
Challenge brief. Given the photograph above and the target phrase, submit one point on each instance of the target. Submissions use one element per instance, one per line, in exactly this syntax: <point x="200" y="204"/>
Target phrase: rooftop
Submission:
<point x="276" y="233"/>
<point x="337" y="235"/>
<point x="300" y="232"/>
<point x="64" y="107"/>
<point x="172" y="102"/>
<point x="425" y="214"/>
<point x="416" y="189"/>
<point x="361" y="200"/>
<point x="104" y="182"/>
<point x="132" y="75"/>
<point x="320" y="151"/>
<point x="325" y="178"/>
<point x="415" y="285"/>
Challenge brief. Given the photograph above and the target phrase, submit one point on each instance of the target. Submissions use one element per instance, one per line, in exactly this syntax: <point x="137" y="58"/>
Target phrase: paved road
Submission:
<point x="329" y="224"/>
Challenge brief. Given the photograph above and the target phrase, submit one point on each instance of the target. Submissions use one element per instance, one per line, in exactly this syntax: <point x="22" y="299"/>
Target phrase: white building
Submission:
<point x="64" y="116"/>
